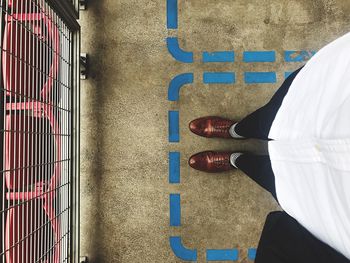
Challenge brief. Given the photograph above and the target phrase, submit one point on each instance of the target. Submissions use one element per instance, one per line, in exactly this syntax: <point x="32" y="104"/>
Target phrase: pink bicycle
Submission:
<point x="30" y="61"/>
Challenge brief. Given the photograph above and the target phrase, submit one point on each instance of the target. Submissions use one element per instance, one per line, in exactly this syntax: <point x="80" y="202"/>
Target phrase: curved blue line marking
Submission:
<point x="174" y="167"/>
<point x="259" y="56"/>
<point x="222" y="254"/>
<point x="177" y="53"/>
<point x="180" y="251"/>
<point x="220" y="56"/>
<point x="174" y="135"/>
<point x="251" y="253"/>
<point x="260" y="77"/>
<point x="171" y="9"/>
<point x="219" y="77"/>
<point x="297" y="56"/>
<point x="176" y="84"/>
<point x="175" y="210"/>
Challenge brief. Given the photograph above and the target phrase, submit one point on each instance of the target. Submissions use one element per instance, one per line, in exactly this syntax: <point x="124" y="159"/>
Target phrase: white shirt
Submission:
<point x="310" y="154"/>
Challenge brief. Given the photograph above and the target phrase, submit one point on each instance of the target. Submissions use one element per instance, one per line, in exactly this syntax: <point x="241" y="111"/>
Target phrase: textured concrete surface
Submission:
<point x="124" y="167"/>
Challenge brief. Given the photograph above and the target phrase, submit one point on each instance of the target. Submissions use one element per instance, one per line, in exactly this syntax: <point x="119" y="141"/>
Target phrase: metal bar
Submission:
<point x="2" y="125"/>
<point x="67" y="12"/>
<point x="32" y="73"/>
<point x="21" y="251"/>
<point x="75" y="146"/>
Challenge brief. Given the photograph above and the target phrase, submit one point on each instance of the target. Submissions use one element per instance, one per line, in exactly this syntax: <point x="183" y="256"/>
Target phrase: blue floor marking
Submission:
<point x="287" y="74"/>
<point x="208" y="77"/>
<point x="297" y="56"/>
<point x="174" y="167"/>
<point x="177" y="52"/>
<point x="219" y="56"/>
<point x="177" y="83"/>
<point x="219" y="77"/>
<point x="175" y="210"/>
<point x="180" y="251"/>
<point x="259" y="56"/>
<point x="251" y="253"/>
<point x="260" y="77"/>
<point x="174" y="135"/>
<point x="222" y="254"/>
<point x="171" y="8"/>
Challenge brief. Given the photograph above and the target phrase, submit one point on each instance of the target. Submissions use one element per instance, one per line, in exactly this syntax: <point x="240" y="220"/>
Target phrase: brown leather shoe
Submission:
<point x="211" y="162"/>
<point x="212" y="127"/>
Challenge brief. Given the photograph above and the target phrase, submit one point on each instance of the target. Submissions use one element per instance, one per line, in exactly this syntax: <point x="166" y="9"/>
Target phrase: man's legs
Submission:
<point x="257" y="124"/>
<point x="258" y="168"/>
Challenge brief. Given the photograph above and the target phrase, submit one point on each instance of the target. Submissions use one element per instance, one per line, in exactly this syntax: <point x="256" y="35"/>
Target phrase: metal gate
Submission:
<point x="39" y="121"/>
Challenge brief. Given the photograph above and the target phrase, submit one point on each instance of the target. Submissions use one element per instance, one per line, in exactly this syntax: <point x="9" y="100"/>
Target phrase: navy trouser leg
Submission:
<point x="258" y="168"/>
<point x="257" y="124"/>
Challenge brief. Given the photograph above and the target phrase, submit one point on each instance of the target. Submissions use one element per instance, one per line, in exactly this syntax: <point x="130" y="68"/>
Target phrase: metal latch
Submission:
<point x="84" y="63"/>
<point x="82" y="4"/>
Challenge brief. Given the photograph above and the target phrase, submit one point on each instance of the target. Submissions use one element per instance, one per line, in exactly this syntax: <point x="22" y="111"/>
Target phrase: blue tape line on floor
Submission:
<point x="219" y="77"/>
<point x="287" y="74"/>
<point x="171" y="8"/>
<point x="182" y="252"/>
<point x="219" y="56"/>
<point x="179" y="54"/>
<point x="298" y="56"/>
<point x="177" y="83"/>
<point x="174" y="135"/>
<point x="222" y="254"/>
<point x="175" y="210"/>
<point x="174" y="167"/>
<point x="260" y="77"/>
<point x="259" y="56"/>
<point x="251" y="253"/>
<point x="209" y="77"/>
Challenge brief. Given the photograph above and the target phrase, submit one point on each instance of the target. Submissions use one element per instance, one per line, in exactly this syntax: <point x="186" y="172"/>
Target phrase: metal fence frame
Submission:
<point x="68" y="11"/>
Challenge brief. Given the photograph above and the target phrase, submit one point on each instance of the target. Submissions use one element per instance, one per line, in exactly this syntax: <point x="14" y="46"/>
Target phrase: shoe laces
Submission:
<point x="220" y="161"/>
<point x="220" y="127"/>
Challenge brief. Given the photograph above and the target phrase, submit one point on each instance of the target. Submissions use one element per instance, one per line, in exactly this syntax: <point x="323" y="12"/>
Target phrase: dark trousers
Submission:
<point x="257" y="125"/>
<point x="284" y="240"/>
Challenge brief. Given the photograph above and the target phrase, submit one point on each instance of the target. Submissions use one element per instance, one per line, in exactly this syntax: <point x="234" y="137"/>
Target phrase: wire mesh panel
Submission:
<point x="36" y="133"/>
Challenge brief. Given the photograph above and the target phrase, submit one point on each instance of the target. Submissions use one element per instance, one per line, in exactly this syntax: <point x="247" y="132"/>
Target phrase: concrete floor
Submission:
<point x="124" y="123"/>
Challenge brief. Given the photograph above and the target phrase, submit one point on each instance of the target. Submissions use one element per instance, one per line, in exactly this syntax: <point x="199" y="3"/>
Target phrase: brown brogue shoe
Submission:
<point x="211" y="162"/>
<point x="212" y="127"/>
